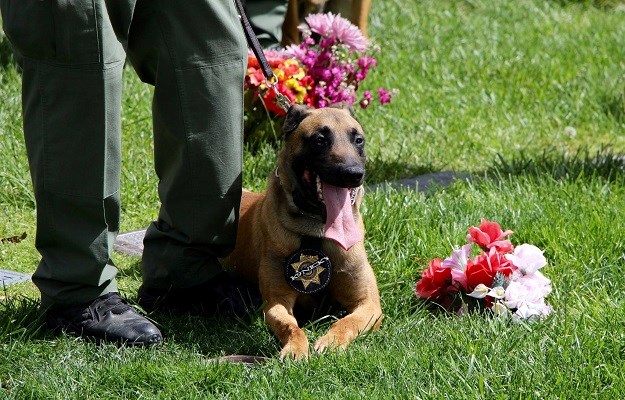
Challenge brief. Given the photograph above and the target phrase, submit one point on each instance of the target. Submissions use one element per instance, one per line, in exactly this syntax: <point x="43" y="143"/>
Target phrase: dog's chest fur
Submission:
<point x="266" y="243"/>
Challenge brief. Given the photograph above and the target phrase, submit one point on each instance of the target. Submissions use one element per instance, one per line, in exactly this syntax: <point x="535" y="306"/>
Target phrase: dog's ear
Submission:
<point x="294" y="116"/>
<point x="343" y="105"/>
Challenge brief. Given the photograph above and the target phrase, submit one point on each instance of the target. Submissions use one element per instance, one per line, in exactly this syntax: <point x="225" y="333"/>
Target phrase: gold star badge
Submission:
<point x="308" y="275"/>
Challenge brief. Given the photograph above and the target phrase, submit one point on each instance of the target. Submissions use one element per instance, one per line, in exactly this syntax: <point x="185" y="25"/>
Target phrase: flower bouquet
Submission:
<point x="503" y="278"/>
<point x="328" y="67"/>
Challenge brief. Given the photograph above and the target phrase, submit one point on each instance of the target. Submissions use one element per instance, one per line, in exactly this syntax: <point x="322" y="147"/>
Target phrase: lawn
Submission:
<point x="526" y="96"/>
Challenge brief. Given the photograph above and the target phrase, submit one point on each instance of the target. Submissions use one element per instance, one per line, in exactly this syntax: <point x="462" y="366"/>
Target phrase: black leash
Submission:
<point x="271" y="80"/>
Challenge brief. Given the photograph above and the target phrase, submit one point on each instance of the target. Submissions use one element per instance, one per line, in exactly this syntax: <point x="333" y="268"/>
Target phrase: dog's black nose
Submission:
<point x="353" y="175"/>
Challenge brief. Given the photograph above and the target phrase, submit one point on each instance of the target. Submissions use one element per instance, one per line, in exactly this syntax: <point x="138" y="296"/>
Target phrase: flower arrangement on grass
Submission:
<point x="328" y="67"/>
<point x="503" y="278"/>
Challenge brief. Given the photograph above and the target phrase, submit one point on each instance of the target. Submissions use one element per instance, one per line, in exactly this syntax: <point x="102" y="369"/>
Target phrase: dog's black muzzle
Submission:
<point x="346" y="176"/>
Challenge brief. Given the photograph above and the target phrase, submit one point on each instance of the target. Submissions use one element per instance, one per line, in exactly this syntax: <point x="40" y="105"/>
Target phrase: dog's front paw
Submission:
<point x="294" y="351"/>
<point x="330" y="341"/>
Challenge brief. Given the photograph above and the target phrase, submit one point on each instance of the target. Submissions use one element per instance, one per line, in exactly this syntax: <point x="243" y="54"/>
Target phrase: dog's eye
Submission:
<point x="319" y="140"/>
<point x="359" y="139"/>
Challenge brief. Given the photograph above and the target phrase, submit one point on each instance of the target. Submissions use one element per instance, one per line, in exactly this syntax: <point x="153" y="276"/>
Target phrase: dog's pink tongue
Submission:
<point x="340" y="224"/>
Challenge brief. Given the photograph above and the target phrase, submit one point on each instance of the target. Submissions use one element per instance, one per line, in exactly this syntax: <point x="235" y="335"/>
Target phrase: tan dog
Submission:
<point x="357" y="11"/>
<point x="313" y="196"/>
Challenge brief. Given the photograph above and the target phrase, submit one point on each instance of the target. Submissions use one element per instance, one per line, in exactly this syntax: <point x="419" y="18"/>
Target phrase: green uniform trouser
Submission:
<point x="73" y="54"/>
<point x="266" y="17"/>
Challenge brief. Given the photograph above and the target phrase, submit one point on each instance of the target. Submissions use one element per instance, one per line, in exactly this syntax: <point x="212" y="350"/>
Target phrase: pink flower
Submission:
<point x="335" y="64"/>
<point x="504" y="283"/>
<point x="365" y="62"/>
<point x="272" y="53"/>
<point x="298" y="52"/>
<point x="366" y="99"/>
<point x="457" y="262"/>
<point x="385" y="96"/>
<point x="349" y="34"/>
<point x="527" y="258"/>
<point x="337" y="28"/>
<point x="489" y="235"/>
<point x="319" y="23"/>
<point x="526" y="295"/>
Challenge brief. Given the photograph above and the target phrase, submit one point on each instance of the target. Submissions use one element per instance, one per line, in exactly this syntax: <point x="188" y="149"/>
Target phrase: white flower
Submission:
<point x="540" y="281"/>
<point x="497" y="292"/>
<point x="529" y="310"/>
<point x="480" y="291"/>
<point x="527" y="258"/>
<point x="526" y="294"/>
<point x="500" y="309"/>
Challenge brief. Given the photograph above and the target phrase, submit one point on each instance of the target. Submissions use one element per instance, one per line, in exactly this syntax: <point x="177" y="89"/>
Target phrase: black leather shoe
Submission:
<point x="108" y="318"/>
<point x="221" y="295"/>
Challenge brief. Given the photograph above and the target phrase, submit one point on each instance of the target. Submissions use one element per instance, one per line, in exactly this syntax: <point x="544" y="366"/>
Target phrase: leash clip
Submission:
<point x="270" y="79"/>
<point x="281" y="100"/>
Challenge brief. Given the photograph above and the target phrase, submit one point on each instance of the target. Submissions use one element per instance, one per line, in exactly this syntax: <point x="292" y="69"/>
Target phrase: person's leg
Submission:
<point x="194" y="53"/>
<point x="267" y="17"/>
<point x="72" y="76"/>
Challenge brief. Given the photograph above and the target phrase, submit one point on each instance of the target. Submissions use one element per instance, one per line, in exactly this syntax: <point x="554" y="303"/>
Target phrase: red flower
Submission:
<point x="290" y="70"/>
<point x="252" y="61"/>
<point x="479" y="271"/>
<point x="255" y="77"/>
<point x="503" y="246"/>
<point x="269" y="98"/>
<point x="484" y="268"/>
<point x="434" y="281"/>
<point x="490" y="235"/>
<point x="273" y="62"/>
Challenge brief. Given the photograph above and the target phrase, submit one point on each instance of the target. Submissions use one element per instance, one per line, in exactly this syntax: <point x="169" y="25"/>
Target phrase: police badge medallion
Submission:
<point x="308" y="270"/>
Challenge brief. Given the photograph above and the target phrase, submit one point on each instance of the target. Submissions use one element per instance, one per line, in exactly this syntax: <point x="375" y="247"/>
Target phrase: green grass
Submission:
<point x="527" y="96"/>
